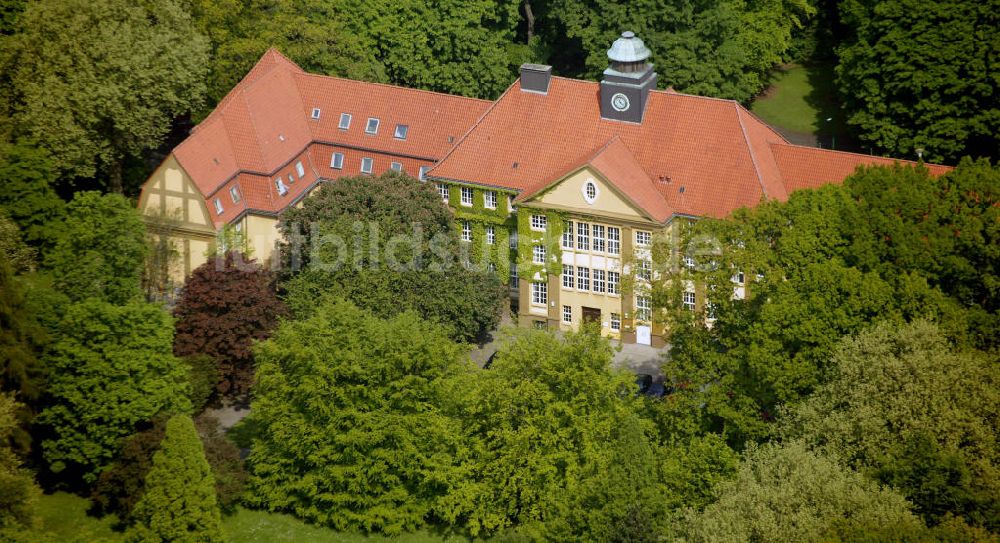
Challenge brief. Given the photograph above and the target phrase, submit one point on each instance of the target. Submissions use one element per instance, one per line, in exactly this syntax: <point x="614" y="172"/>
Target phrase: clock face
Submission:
<point x="619" y="102"/>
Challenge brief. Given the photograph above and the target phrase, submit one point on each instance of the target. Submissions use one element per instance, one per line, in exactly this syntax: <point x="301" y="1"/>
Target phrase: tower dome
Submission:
<point x="628" y="48"/>
<point x="628" y="80"/>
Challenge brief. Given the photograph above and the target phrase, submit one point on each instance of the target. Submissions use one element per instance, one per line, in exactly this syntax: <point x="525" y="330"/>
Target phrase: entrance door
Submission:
<point x="642" y="335"/>
<point x="591" y="314"/>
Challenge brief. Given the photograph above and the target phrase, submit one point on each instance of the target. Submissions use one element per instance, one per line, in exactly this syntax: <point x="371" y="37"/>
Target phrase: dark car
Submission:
<point x="649" y="386"/>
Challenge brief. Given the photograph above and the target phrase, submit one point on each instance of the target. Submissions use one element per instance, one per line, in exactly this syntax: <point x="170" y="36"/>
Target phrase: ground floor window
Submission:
<point x="567" y="314"/>
<point x="613" y="280"/>
<point x="616" y="322"/>
<point x="688" y="301"/>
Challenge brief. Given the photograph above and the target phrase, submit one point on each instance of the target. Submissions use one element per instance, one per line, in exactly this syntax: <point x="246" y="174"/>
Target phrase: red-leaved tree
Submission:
<point x="228" y="303"/>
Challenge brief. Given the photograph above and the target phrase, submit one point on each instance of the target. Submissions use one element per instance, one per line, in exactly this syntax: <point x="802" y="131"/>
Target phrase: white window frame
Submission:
<point x="739" y="278"/>
<point x="218" y="207"/>
<point x="583" y="236"/>
<point x="614" y="279"/>
<point x="279" y="184"/>
<point x="689" y="300"/>
<point x="490" y="199"/>
<point x="234" y="193"/>
<point x="582" y="278"/>
<point x="466" y="231"/>
<point x="539" y="222"/>
<point x="467" y="195"/>
<point x="396" y="166"/>
<point x="337" y="161"/>
<point x="598" y="280"/>
<point x="689" y="262"/>
<point x="491" y="234"/>
<point x="445" y="191"/>
<point x="345" y="121"/>
<point x="643" y="238"/>
<point x="316" y="112"/>
<point x="567" y="236"/>
<point x="643" y="308"/>
<point x="644" y="270"/>
<point x="300" y="169"/>
<point x="423" y="173"/>
<point x="616" y="322"/>
<point x="597" y="238"/>
<point x="614" y="240"/>
<point x="401" y="131"/>
<point x="567" y="314"/>
<point x="369" y="129"/>
<point x="568" y="276"/>
<point x="538" y="254"/>
<point x="513" y="240"/>
<point x="514" y="279"/>
<point x="539" y="293"/>
<point x="370" y="162"/>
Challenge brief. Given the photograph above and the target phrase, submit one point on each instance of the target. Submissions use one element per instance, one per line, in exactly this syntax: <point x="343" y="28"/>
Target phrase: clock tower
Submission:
<point x="627" y="81"/>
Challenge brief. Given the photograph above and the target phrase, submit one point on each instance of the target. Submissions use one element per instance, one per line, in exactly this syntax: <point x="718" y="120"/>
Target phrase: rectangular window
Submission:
<point x="567" y="237"/>
<point x="616" y="322"/>
<point x="643" y="308"/>
<point x="642" y="238"/>
<point x="598" y="280"/>
<point x="366" y="165"/>
<point x="513" y="275"/>
<point x="397" y="166"/>
<point x="234" y="193"/>
<point x="466" y="196"/>
<point x="300" y="169"/>
<point x="513" y="240"/>
<point x="401" y="130"/>
<point x="644" y="270"/>
<point x="466" y="231"/>
<point x="567" y="313"/>
<point x="538" y="254"/>
<point x="598" y="238"/>
<point x="490" y="199"/>
<point x="443" y="191"/>
<point x="567" y="276"/>
<point x="491" y="234"/>
<point x="423" y="173"/>
<point x="613" y="279"/>
<point x="739" y="278"/>
<point x="218" y="206"/>
<point x="510" y="204"/>
<point x="337" y="161"/>
<point x="316" y="112"/>
<point x="539" y="293"/>
<point x="539" y="222"/>
<point x="583" y="278"/>
<point x="291" y="179"/>
<point x="614" y="240"/>
<point x="372" y="126"/>
<point x="280" y="185"/>
<point x="583" y="236"/>
<point x="345" y="121"/>
<point x="688" y="299"/>
<point x="689" y="262"/>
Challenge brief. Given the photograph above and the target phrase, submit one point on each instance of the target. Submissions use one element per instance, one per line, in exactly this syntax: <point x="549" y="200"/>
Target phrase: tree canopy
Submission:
<point x="98" y="81"/>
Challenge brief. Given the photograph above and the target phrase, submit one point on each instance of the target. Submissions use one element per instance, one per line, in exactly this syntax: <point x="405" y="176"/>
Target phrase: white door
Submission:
<point x="642" y="334"/>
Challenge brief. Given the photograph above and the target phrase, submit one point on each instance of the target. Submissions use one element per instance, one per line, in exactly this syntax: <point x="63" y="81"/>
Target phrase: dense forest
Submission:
<point x="854" y="395"/>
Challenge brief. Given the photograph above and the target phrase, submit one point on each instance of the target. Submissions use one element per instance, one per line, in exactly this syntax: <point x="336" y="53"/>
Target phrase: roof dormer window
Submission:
<point x="401" y="131"/>
<point x="280" y="185"/>
<point x="218" y="206"/>
<point x="372" y="126"/>
<point x="345" y="121"/>
<point x="234" y="193"/>
<point x="300" y="169"/>
<point x="316" y="113"/>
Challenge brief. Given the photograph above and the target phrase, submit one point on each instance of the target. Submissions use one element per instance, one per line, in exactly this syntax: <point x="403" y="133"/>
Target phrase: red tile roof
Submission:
<point x="703" y="156"/>
<point x="264" y="125"/>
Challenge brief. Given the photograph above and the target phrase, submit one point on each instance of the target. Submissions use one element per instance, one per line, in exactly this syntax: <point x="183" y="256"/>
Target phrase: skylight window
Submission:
<point x="300" y="169"/>
<point x="401" y="131"/>
<point x="218" y="206"/>
<point x="372" y="126"/>
<point x="366" y="165"/>
<point x="234" y="193"/>
<point x="280" y="185"/>
<point x="345" y="121"/>
<point x="316" y="113"/>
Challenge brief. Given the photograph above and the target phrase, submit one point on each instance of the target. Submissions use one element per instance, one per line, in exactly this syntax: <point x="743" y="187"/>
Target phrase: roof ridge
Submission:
<point x="763" y="122"/>
<point x="459" y="141"/>
<point x="753" y="158"/>
<point x="390" y="85"/>
<point x="852" y="153"/>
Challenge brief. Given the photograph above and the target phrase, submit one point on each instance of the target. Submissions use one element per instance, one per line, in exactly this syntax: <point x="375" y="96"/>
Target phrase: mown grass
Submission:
<point x="787" y="104"/>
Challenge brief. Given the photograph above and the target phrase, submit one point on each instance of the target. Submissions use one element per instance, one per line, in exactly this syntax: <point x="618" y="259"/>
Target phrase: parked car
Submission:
<point x="649" y="386"/>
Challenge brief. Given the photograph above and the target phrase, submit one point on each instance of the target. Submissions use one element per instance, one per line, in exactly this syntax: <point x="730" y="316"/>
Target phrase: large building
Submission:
<point x="568" y="180"/>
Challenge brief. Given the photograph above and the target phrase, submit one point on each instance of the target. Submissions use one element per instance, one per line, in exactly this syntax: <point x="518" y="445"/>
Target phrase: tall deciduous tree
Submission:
<point x="26" y="193"/>
<point x="922" y="74"/>
<point x="18" y="492"/>
<point x="226" y="305"/>
<point x="98" y="81"/>
<point x="102" y="252"/>
<point x="915" y="411"/>
<point x="351" y="430"/>
<point x="179" y="500"/>
<point x="112" y="368"/>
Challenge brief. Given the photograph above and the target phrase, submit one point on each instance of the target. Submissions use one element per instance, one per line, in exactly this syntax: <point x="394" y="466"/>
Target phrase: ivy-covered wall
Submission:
<point x="481" y="253"/>
<point x="527" y="238"/>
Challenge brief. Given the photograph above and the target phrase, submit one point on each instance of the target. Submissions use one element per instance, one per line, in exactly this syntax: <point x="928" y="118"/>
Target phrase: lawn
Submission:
<point x="65" y="519"/>
<point x="798" y="102"/>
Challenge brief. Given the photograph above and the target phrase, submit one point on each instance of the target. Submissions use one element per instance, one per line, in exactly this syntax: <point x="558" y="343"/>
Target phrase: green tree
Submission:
<point x="18" y="492"/>
<point x="917" y="413"/>
<point x="26" y="193"/>
<point x="103" y="249"/>
<point x="351" y="434"/>
<point x="98" y="82"/>
<point x="112" y="368"/>
<point x="922" y="74"/>
<point x="789" y="493"/>
<point x="179" y="503"/>
<point x="559" y="447"/>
